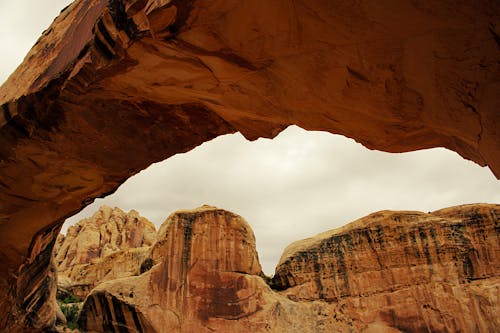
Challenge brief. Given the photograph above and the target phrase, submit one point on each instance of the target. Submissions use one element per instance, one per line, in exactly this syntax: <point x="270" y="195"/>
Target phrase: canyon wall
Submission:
<point x="113" y="79"/>
<point x="208" y="278"/>
<point x="417" y="272"/>
<point x="387" y="272"/>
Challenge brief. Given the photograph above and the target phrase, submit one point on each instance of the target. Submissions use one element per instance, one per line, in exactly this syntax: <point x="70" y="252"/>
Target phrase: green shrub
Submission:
<point x="71" y="314"/>
<point x="71" y="299"/>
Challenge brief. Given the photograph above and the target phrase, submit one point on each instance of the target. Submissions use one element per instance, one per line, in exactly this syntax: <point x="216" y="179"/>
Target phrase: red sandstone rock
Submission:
<point x="111" y="79"/>
<point x="208" y="271"/>
<point x="416" y="272"/>
<point x="387" y="272"/>
<point x="207" y="279"/>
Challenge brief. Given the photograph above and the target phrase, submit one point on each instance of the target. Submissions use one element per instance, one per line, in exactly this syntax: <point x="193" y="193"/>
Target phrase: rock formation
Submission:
<point x="416" y="272"/>
<point x="387" y="272"/>
<point x="35" y="303"/>
<point x="108" y="245"/>
<point x="208" y="269"/>
<point x="120" y="78"/>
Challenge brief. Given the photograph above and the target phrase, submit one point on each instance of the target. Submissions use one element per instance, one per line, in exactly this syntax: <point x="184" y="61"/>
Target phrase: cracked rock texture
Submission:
<point x="387" y="272"/>
<point x="110" y="79"/>
<point x="108" y="245"/>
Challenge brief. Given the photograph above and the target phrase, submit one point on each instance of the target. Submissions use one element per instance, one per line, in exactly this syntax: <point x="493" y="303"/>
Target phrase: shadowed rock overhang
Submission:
<point x="113" y="86"/>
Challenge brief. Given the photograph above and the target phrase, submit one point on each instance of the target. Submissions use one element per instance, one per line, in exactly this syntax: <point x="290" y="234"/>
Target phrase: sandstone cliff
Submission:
<point x="387" y="272"/>
<point x="417" y="272"/>
<point x="108" y="245"/>
<point x="161" y="77"/>
<point x="208" y="270"/>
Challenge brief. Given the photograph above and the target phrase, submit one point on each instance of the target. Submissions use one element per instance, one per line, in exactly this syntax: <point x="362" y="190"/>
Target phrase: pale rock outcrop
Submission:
<point x="387" y="272"/>
<point x="108" y="245"/>
<point x="108" y="231"/>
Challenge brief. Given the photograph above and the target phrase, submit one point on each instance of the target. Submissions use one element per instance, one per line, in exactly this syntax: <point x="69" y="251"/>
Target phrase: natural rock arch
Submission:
<point x="113" y="86"/>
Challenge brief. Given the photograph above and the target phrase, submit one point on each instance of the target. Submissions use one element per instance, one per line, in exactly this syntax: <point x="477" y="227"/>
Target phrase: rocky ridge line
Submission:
<point x="387" y="272"/>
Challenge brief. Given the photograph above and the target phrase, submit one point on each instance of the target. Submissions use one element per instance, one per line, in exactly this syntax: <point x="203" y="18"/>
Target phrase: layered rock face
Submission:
<point x="387" y="272"/>
<point x="161" y="77"/>
<point x="416" y="272"/>
<point x="35" y="303"/>
<point x="208" y="272"/>
<point x="108" y="245"/>
<point x="207" y="279"/>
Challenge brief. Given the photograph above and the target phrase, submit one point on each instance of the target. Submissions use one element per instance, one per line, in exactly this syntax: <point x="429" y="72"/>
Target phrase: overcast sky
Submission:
<point x="295" y="186"/>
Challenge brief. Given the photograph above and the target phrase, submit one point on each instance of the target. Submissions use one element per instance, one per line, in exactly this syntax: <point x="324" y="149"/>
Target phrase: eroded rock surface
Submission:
<point x="208" y="271"/>
<point x="387" y="272"/>
<point x="417" y="272"/>
<point x="149" y="79"/>
<point x="35" y="303"/>
<point x="108" y="245"/>
<point x="207" y="279"/>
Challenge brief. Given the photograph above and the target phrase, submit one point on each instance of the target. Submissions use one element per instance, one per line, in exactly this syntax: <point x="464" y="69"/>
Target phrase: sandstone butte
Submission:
<point x="119" y="78"/>
<point x="391" y="271"/>
<point x="108" y="245"/>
